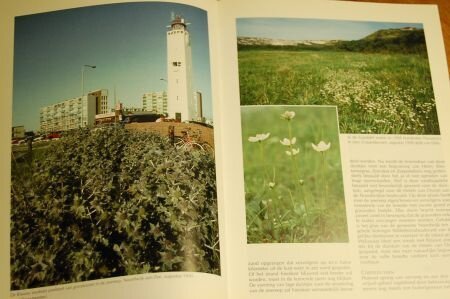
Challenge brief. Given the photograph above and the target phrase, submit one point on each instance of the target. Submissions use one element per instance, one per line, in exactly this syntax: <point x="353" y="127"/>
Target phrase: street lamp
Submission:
<point x="82" y="76"/>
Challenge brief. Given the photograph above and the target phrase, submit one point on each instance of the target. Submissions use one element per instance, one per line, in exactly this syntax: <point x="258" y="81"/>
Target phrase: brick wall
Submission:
<point x="203" y="134"/>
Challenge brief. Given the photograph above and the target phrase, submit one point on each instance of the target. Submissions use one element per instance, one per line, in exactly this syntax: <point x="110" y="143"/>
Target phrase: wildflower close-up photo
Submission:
<point x="293" y="176"/>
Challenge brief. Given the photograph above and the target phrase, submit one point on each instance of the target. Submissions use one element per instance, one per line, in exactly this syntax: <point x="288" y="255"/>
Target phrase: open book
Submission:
<point x="224" y="149"/>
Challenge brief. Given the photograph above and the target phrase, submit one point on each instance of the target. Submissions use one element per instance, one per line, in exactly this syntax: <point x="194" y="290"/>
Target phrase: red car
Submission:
<point x="54" y="135"/>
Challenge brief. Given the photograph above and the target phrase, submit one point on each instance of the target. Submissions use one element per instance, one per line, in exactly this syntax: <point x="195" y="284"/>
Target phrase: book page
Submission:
<point x="338" y="131"/>
<point x="114" y="156"/>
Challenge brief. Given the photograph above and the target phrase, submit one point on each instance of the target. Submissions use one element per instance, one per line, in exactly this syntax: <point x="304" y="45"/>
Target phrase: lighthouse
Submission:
<point x="180" y="101"/>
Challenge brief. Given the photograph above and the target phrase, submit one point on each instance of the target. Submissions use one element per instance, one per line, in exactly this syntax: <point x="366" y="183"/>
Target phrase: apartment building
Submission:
<point x="155" y="102"/>
<point x="74" y="113"/>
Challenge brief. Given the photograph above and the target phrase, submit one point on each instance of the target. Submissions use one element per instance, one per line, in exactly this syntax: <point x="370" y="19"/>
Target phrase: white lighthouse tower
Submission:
<point x="180" y="102"/>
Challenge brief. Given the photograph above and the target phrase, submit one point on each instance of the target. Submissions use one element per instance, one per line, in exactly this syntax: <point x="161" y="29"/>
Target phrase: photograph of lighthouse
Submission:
<point x="113" y="170"/>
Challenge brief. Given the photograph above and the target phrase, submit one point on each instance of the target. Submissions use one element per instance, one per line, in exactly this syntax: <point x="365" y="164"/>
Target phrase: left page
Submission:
<point x="112" y="188"/>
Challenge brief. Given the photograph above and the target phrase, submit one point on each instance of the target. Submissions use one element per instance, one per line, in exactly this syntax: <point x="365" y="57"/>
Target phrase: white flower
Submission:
<point x="253" y="138"/>
<point x="288" y="115"/>
<point x="294" y="152"/>
<point x="258" y="137"/>
<point x="288" y="142"/>
<point x="321" y="146"/>
<point x="271" y="185"/>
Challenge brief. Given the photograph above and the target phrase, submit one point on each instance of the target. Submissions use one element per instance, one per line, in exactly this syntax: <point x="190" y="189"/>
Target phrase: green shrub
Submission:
<point x="109" y="202"/>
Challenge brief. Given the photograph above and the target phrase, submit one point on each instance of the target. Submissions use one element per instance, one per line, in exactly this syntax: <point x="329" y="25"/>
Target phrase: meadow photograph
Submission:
<point x="376" y="73"/>
<point x="293" y="175"/>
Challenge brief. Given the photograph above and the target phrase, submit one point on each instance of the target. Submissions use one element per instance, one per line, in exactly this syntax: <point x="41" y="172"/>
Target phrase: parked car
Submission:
<point x="53" y="135"/>
<point x="141" y="118"/>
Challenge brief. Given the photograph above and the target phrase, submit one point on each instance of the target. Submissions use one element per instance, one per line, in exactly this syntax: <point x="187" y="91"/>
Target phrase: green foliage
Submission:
<point x="374" y="93"/>
<point x="297" y="47"/>
<point x="388" y="41"/>
<point x="293" y="198"/>
<point x="382" y="41"/>
<point x="109" y="202"/>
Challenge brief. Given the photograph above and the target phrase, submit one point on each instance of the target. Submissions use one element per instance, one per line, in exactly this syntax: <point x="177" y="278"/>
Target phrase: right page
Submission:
<point x="337" y="125"/>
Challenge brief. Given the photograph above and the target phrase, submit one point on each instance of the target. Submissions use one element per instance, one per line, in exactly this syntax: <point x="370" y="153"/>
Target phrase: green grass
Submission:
<point x="375" y="93"/>
<point x="293" y="198"/>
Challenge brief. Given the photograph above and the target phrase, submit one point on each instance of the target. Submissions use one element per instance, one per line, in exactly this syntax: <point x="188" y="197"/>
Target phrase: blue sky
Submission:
<point x="311" y="29"/>
<point x="127" y="43"/>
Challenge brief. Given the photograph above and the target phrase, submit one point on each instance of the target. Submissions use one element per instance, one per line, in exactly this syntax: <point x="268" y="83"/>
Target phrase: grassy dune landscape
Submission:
<point x="375" y="92"/>
<point x="380" y="84"/>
